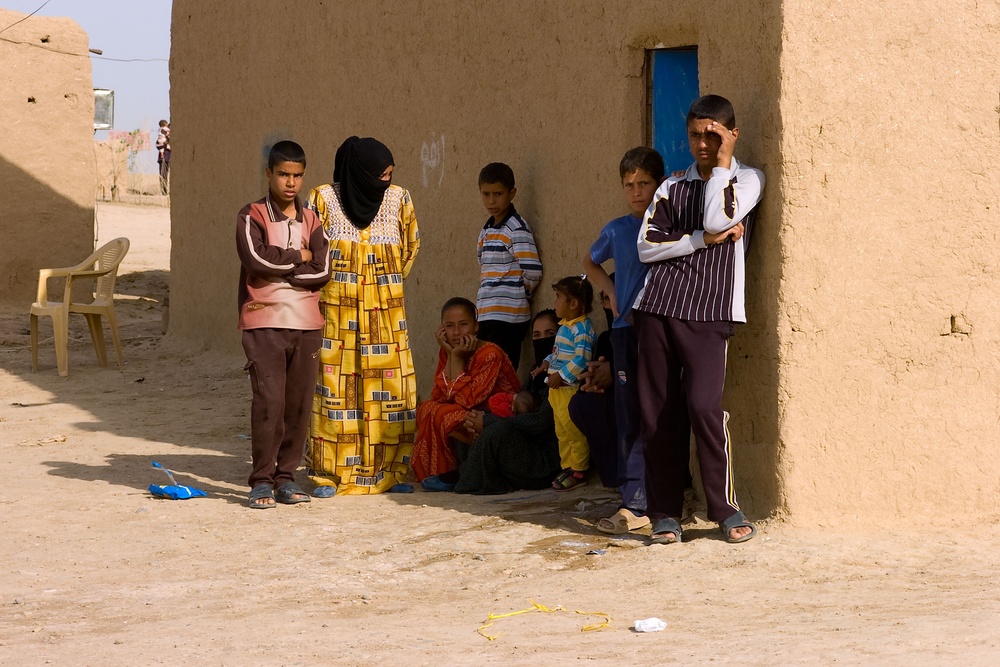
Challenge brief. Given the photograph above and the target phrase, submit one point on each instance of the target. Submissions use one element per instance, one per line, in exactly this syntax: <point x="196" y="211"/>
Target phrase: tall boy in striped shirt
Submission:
<point x="695" y="236"/>
<point x="510" y="269"/>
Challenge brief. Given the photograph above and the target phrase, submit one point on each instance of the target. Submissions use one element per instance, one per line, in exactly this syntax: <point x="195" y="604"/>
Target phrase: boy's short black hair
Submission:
<point x="579" y="288"/>
<point x="286" y="151"/>
<point x="715" y="107"/>
<point x="497" y="172"/>
<point x="645" y="158"/>
<point x="460" y="302"/>
<point x="164" y="123"/>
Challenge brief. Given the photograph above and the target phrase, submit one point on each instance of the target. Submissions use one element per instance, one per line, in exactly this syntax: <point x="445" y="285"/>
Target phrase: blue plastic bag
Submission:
<point x="174" y="491"/>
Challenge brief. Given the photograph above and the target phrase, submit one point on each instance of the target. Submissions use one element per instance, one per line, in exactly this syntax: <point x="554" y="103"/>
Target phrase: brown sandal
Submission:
<point x="621" y="522"/>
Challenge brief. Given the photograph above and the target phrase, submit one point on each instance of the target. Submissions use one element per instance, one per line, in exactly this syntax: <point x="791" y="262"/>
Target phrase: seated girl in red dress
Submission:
<point x="469" y="371"/>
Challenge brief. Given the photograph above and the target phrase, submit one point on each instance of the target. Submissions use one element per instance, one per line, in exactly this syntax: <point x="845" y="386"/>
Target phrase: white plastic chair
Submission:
<point x="102" y="266"/>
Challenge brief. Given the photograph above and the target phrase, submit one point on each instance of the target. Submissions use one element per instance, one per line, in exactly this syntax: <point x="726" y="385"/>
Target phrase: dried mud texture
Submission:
<point x="888" y="357"/>
<point x="97" y="571"/>
<point x="555" y="89"/>
<point x="47" y="163"/>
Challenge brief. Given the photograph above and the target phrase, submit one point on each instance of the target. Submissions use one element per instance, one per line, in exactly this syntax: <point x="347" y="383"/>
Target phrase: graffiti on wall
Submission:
<point x="432" y="161"/>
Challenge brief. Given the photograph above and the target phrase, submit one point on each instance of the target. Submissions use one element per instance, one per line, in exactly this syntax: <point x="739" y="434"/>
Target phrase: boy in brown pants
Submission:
<point x="285" y="259"/>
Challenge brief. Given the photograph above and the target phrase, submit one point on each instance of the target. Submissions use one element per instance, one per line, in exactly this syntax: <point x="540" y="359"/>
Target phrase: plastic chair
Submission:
<point x="102" y="266"/>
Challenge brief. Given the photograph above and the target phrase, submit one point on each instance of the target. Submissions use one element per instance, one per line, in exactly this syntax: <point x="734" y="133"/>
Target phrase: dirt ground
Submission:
<point x="97" y="571"/>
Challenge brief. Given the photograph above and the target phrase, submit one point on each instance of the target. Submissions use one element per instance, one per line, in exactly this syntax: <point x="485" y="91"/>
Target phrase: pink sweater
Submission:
<point x="277" y="289"/>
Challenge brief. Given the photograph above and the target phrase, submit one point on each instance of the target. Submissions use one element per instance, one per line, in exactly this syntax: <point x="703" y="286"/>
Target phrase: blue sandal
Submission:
<point x="434" y="483"/>
<point x="289" y="493"/>
<point x="666" y="531"/>
<point x="737" y="520"/>
<point x="258" y="495"/>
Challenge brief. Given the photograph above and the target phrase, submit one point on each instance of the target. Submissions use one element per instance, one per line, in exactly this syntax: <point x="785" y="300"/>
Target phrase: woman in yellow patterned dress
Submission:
<point x="364" y="413"/>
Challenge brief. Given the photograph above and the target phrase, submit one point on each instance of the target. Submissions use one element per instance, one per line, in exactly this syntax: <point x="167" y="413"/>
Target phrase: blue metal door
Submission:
<point x="673" y="87"/>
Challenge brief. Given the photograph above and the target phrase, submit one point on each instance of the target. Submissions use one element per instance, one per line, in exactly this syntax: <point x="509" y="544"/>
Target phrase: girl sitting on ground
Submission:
<point x="469" y="372"/>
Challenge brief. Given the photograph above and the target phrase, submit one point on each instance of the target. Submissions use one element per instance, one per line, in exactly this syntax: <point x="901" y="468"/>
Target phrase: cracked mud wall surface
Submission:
<point x="46" y="150"/>
<point x="557" y="90"/>
<point x="889" y="321"/>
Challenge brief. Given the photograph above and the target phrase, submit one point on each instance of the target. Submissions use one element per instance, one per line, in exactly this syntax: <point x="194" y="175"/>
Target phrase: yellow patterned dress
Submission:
<point x="364" y="413"/>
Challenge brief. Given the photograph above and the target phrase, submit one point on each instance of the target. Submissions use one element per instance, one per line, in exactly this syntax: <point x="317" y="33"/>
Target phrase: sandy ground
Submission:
<point x="97" y="571"/>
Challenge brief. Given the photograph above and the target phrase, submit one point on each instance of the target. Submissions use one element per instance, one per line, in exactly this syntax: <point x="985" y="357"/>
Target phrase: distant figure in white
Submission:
<point x="163" y="154"/>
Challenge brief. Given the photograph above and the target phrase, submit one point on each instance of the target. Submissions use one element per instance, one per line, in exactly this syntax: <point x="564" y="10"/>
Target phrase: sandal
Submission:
<point x="737" y="520"/>
<point x="434" y="483"/>
<point x="289" y="493"/>
<point x="666" y="531"/>
<point x="258" y="495"/>
<point x="569" y="479"/>
<point x="621" y="522"/>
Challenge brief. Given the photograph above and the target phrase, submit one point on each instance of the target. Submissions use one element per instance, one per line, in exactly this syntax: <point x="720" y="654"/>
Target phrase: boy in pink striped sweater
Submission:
<point x="285" y="258"/>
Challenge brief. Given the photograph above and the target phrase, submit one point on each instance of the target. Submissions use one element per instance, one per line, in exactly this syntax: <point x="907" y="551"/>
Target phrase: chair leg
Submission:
<point x="97" y="336"/>
<point x="60" y="327"/>
<point x="113" y="325"/>
<point x="33" y="325"/>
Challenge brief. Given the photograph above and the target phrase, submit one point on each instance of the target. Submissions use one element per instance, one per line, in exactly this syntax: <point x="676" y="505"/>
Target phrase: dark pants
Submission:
<point x="507" y="335"/>
<point x="681" y="378"/>
<point x="631" y="461"/>
<point x="594" y="415"/>
<point x="164" y="175"/>
<point x="283" y="365"/>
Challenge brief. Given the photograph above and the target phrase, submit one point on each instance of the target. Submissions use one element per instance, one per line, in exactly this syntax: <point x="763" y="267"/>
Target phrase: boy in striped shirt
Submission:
<point x="510" y="269"/>
<point x="694" y="237"/>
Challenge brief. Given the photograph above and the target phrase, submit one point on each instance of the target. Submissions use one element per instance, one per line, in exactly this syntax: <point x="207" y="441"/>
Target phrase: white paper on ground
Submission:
<point x="649" y="625"/>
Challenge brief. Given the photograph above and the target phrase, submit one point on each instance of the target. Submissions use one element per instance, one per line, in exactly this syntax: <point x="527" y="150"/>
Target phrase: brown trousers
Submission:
<point x="283" y="365"/>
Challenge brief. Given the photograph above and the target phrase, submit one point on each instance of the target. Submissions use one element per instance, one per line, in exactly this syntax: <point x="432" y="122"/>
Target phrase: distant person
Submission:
<point x="364" y="415"/>
<point x="285" y="260"/>
<point x="695" y="237"/>
<point x="573" y="348"/>
<point x="641" y="171"/>
<point x="510" y="269"/>
<point x="163" y="155"/>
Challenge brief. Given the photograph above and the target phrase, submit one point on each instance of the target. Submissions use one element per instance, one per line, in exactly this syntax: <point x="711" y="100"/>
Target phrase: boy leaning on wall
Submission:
<point x="285" y="260"/>
<point x="695" y="236"/>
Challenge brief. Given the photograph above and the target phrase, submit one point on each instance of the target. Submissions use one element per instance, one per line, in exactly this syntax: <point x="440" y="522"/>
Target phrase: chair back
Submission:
<point x="109" y="256"/>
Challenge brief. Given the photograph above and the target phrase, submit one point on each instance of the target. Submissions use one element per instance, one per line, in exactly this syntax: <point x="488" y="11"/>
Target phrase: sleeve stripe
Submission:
<point x="253" y="251"/>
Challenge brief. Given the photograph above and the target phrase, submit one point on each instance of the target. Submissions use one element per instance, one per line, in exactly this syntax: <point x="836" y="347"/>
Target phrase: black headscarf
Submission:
<point x="357" y="168"/>
<point x="543" y="347"/>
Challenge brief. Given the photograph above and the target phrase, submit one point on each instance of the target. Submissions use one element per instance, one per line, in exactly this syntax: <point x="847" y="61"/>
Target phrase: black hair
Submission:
<point x="164" y="123"/>
<point x="460" y="302"/>
<point x="534" y="401"/>
<point x="547" y="312"/>
<point x="645" y="158"/>
<point x="497" y="172"/>
<point x="286" y="151"/>
<point x="714" y="107"/>
<point x="579" y="288"/>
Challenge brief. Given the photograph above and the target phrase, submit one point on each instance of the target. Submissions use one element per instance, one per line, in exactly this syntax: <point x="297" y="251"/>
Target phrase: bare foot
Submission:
<point x="739" y="531"/>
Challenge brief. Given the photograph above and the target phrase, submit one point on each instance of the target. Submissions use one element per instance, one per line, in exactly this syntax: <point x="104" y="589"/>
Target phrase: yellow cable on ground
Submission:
<point x="549" y="610"/>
